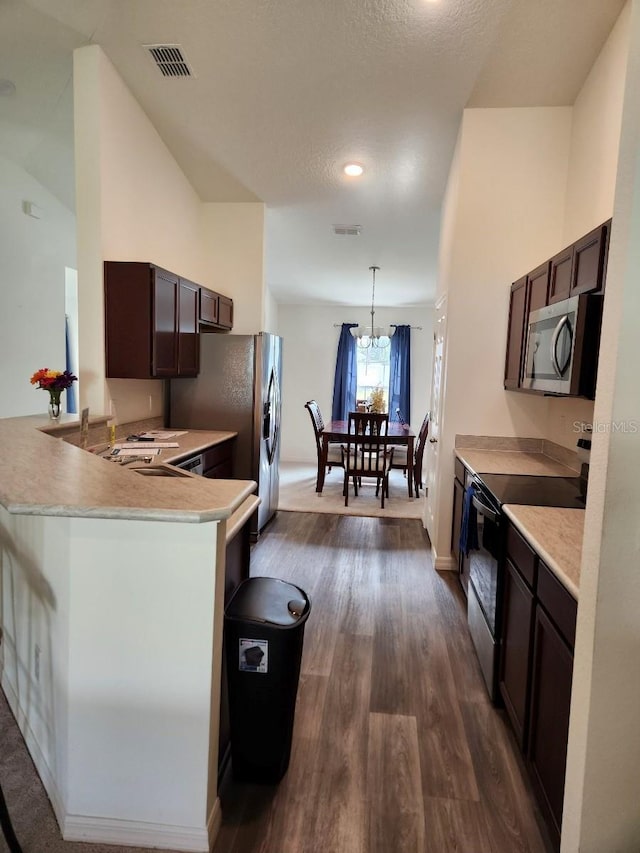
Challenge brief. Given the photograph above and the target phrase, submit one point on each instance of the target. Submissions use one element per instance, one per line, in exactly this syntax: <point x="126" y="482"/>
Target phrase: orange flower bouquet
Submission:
<point x="55" y="382"/>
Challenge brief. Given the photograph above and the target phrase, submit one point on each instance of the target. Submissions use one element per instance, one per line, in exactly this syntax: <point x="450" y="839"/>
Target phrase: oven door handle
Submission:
<point x="483" y="509"/>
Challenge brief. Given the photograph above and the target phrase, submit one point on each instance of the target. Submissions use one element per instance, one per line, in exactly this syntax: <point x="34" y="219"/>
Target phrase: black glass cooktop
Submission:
<point x="535" y="491"/>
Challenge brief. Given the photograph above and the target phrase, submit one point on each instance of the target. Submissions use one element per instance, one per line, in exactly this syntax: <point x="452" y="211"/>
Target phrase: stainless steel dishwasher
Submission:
<point x="194" y="465"/>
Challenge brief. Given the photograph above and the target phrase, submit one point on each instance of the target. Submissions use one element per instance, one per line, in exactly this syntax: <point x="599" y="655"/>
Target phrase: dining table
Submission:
<point x="397" y="433"/>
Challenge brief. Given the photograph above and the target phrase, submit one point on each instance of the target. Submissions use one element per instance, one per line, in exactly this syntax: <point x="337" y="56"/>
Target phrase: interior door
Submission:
<point x="431" y="450"/>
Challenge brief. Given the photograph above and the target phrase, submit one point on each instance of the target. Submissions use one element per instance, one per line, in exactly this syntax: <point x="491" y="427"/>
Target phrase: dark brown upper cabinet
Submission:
<point x="560" y="277"/>
<point x="225" y="312"/>
<point x="151" y="322"/>
<point x="208" y="306"/>
<point x="580" y="268"/>
<point x="216" y="311"/>
<point x="188" y="334"/>
<point x="538" y="288"/>
<point x="518" y="310"/>
<point x="589" y="261"/>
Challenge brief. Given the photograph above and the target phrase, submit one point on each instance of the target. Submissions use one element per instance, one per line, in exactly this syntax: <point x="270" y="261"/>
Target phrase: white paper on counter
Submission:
<point x="161" y="435"/>
<point x="138" y="450"/>
<point x="143" y="446"/>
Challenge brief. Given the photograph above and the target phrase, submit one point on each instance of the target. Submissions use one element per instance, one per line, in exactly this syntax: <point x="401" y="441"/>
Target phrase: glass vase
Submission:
<point x="54" y="405"/>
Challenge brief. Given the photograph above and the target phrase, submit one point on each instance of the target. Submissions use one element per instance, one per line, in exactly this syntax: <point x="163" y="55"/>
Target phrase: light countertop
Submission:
<point x="512" y="462"/>
<point x="555" y="533"/>
<point x="44" y="475"/>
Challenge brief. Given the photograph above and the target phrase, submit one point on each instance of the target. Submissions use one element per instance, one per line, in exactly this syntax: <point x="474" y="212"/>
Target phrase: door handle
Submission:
<point x="554" y="346"/>
<point x="433" y="441"/>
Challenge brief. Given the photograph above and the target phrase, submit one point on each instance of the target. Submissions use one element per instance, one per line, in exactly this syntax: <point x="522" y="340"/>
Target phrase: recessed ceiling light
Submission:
<point x="354" y="170"/>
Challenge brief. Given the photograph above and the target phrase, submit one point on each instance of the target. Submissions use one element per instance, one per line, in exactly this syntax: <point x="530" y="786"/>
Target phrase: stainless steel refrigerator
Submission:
<point x="238" y="389"/>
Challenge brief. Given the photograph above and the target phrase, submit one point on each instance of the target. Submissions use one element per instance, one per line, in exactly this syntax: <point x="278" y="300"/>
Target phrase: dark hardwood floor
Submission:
<point x="396" y="746"/>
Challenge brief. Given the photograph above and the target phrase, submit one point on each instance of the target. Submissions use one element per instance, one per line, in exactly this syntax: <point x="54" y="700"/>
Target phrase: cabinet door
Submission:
<point x="188" y="335"/>
<point x="208" y="306"/>
<point x="588" y="262"/>
<point x="515" y="339"/>
<point x="515" y="650"/>
<point x="538" y="288"/>
<point x="552" y="670"/>
<point x="560" y="277"/>
<point x="225" y="312"/>
<point x="127" y="314"/>
<point x="164" y="312"/>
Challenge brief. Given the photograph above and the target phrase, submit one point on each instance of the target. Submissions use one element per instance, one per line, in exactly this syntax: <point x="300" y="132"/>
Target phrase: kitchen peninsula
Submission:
<point x="112" y="603"/>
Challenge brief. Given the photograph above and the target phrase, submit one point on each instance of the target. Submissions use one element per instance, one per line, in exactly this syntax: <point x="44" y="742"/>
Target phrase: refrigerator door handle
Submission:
<point x="266" y="420"/>
<point x="271" y="427"/>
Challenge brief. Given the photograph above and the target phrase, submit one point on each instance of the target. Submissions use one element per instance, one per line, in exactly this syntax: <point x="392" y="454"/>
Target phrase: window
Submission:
<point x="373" y="371"/>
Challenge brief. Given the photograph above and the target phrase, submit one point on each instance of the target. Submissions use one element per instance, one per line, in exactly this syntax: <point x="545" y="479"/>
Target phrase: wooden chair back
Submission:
<point x="367" y="453"/>
<point x="317" y="422"/>
<point x="419" y="454"/>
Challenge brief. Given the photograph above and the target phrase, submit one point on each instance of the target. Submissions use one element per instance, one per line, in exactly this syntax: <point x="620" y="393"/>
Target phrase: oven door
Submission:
<point x="483" y="590"/>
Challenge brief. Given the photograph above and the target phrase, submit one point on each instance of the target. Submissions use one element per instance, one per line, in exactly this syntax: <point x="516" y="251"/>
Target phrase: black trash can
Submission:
<point x="264" y="628"/>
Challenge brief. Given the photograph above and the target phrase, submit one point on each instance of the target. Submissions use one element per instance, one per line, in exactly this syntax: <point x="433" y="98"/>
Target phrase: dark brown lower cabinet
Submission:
<point x="218" y="461"/>
<point x="536" y="670"/>
<point x="517" y="633"/>
<point x="237" y="566"/>
<point x="549" y="722"/>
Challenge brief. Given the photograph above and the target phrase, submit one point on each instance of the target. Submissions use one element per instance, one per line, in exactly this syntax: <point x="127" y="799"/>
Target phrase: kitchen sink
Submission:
<point x="161" y="471"/>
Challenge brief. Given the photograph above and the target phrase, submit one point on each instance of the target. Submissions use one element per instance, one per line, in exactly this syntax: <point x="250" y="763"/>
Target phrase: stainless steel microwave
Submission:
<point x="561" y="354"/>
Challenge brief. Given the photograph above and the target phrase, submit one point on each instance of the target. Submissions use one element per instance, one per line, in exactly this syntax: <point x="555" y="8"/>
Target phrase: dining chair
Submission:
<point x="334" y="452"/>
<point x="367" y="453"/>
<point x="419" y="454"/>
<point x="400" y="455"/>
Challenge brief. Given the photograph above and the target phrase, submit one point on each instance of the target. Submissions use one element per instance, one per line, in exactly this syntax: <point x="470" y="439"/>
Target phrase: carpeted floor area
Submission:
<point x="298" y="494"/>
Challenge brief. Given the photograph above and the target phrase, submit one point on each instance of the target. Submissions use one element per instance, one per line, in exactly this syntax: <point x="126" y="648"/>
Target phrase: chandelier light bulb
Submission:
<point x="354" y="170"/>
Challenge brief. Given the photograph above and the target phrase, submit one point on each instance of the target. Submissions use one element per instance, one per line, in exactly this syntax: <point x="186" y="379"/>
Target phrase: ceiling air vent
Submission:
<point x="347" y="230"/>
<point x="170" y="60"/>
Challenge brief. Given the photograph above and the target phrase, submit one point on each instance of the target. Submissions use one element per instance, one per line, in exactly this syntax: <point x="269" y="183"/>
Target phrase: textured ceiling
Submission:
<point x="287" y="91"/>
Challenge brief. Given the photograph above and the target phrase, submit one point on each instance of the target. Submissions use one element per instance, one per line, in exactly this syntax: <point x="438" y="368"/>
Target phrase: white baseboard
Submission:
<point x="443" y="564"/>
<point x="131" y="833"/>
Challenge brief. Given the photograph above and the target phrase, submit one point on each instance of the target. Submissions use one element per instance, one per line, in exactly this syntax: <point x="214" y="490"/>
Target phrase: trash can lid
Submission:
<point x="269" y="600"/>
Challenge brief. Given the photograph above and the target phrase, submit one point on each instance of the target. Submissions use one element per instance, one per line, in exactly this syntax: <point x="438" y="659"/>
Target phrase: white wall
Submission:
<point x="134" y="203"/>
<point x="309" y="363"/>
<point x="233" y="241"/>
<point x="117" y="712"/>
<point x="591" y="181"/>
<point x="603" y="763"/>
<point x="34" y="255"/>
<point x="502" y="220"/>
<point x="595" y="137"/>
<point x="271" y="313"/>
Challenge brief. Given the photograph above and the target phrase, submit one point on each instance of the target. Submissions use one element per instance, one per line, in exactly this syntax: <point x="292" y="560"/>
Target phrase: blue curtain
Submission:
<point x="345" y="382"/>
<point x="400" y="375"/>
<point x="71" y="391"/>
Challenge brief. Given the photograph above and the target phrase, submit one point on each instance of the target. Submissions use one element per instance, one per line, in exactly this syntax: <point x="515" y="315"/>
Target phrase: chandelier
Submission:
<point x="373" y="336"/>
